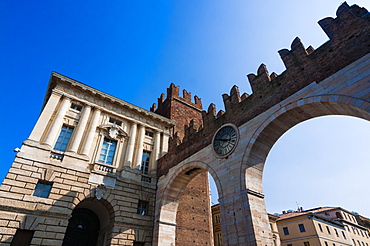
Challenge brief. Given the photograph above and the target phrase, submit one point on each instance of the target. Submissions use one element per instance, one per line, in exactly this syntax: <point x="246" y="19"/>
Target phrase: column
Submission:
<point x="155" y="153"/>
<point x="80" y="129"/>
<point x="131" y="146"/>
<point x="45" y="116"/>
<point x="58" y="122"/>
<point x="139" y="150"/>
<point x="91" y="133"/>
<point x="164" y="144"/>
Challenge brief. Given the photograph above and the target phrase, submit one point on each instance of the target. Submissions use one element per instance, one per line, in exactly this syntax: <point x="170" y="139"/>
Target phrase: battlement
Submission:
<point x="349" y="40"/>
<point x="173" y="93"/>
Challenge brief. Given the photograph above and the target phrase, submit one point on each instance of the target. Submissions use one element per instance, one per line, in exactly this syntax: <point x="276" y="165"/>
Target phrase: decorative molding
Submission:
<point x="255" y="193"/>
<point x="100" y="191"/>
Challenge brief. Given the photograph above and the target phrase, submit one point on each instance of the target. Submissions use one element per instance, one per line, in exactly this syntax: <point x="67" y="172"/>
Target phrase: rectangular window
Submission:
<point x="336" y="232"/>
<point x="320" y="227"/>
<point x="107" y="151"/>
<point x="301" y="228"/>
<point x="344" y="235"/>
<point x="327" y="228"/>
<point x="22" y="238"/>
<point x="286" y="231"/>
<point x="145" y="162"/>
<point x="76" y="107"/>
<point x="116" y="122"/>
<point x="142" y="207"/>
<point x="139" y="244"/>
<point x="149" y="134"/>
<point x="306" y="243"/>
<point x="63" y="139"/>
<point x="219" y="239"/>
<point x="42" y="189"/>
<point x="217" y="217"/>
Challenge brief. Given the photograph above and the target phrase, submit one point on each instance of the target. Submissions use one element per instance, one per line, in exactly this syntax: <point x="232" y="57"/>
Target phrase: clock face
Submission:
<point x="225" y="140"/>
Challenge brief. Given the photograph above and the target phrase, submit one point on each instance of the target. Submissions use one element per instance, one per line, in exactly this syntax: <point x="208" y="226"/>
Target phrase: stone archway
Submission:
<point x="266" y="135"/>
<point x="91" y="223"/>
<point x="168" y="200"/>
<point x="332" y="80"/>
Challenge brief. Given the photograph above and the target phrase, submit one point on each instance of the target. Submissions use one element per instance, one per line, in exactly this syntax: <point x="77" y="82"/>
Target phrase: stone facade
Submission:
<point x="82" y="178"/>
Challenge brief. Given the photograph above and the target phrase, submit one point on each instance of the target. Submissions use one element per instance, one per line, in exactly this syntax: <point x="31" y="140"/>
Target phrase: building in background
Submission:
<point x="216" y="224"/>
<point x="327" y="226"/>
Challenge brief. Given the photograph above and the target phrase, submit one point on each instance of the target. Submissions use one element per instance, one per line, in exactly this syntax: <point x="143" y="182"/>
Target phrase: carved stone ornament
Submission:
<point x="100" y="191"/>
<point x="113" y="132"/>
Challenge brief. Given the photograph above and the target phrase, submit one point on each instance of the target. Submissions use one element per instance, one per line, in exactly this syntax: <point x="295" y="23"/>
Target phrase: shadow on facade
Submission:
<point x="43" y="221"/>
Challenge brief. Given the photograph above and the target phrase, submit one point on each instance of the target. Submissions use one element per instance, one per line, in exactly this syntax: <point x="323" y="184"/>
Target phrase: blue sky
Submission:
<point x="135" y="49"/>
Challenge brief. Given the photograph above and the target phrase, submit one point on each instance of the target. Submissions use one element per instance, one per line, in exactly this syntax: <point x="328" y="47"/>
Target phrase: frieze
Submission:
<point x="114" y="109"/>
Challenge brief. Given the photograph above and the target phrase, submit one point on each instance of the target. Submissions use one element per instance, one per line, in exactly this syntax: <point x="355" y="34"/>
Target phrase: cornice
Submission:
<point x="111" y="99"/>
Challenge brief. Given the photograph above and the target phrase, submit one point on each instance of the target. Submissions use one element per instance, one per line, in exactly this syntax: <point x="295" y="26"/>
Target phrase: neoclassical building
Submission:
<point x="86" y="175"/>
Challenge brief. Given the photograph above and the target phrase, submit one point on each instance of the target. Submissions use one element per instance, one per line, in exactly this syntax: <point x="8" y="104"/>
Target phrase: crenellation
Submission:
<point x="295" y="56"/>
<point x="233" y="99"/>
<point x="260" y="81"/>
<point x="186" y="95"/>
<point x="338" y="27"/>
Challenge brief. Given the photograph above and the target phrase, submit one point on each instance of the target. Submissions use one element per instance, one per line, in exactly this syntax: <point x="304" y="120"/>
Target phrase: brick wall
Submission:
<point x="193" y="225"/>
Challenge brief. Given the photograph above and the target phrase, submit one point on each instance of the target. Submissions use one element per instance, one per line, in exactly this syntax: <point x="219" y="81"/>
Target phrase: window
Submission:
<point x="344" y="235"/>
<point x="306" y="243"/>
<point x="339" y="216"/>
<point x="42" y="189"/>
<point x="326" y="244"/>
<point x="22" y="238"/>
<point x="76" y="107"/>
<point x="142" y="207"/>
<point x="149" y="134"/>
<point x="336" y="232"/>
<point x="286" y="231"/>
<point x="327" y="228"/>
<point x="107" y="151"/>
<point x="219" y="239"/>
<point x="320" y="227"/>
<point x="217" y="218"/>
<point x="139" y="244"/>
<point x="301" y="228"/>
<point x="116" y="122"/>
<point x="63" y="139"/>
<point x="145" y="162"/>
<point x="289" y="244"/>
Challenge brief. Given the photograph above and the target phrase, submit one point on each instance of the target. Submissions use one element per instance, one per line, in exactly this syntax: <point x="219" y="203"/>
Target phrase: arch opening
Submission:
<point x="274" y="127"/>
<point x="326" y="158"/>
<point x="90" y="224"/>
<point x="185" y="207"/>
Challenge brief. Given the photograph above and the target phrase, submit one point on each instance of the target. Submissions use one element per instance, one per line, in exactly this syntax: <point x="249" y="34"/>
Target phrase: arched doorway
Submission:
<point x="90" y="224"/>
<point x="83" y="228"/>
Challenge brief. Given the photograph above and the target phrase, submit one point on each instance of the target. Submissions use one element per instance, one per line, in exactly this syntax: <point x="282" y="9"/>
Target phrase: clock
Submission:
<point x="225" y="140"/>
